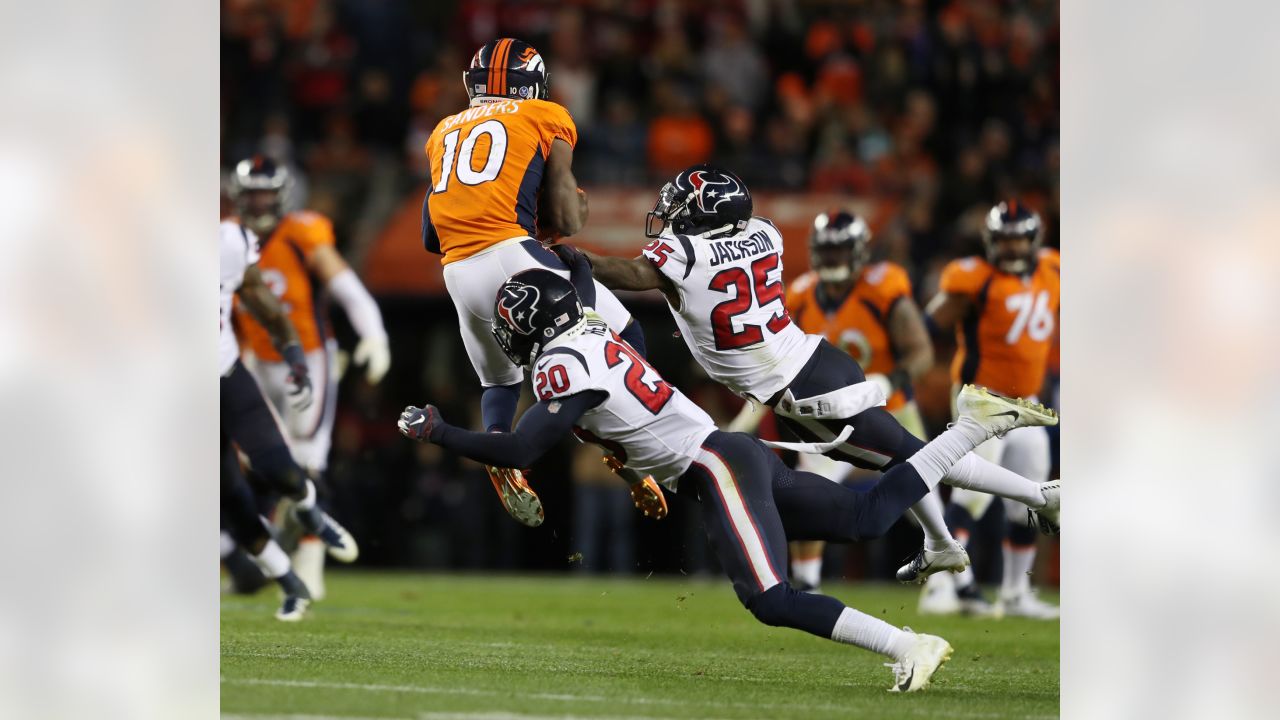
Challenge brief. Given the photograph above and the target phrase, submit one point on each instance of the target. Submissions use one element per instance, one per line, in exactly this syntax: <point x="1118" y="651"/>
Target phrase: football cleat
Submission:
<point x="939" y="596"/>
<point x="998" y="414"/>
<point x="927" y="562"/>
<point x="342" y="546"/>
<point x="1027" y="604"/>
<point x="308" y="563"/>
<point x="517" y="497"/>
<point x="293" y="608"/>
<point x="1049" y="517"/>
<point x="974" y="604"/>
<point x="645" y="493"/>
<point x="914" y="671"/>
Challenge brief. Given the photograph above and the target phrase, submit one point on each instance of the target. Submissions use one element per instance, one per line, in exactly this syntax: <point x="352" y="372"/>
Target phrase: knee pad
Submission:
<point x="1020" y="533"/>
<point x="974" y="502"/>
<point x="773" y="606"/>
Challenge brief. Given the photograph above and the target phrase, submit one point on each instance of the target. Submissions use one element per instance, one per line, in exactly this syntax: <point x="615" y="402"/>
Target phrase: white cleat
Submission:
<point x="939" y="596"/>
<point x="1048" y="518"/>
<point x="998" y="414"/>
<point x="953" y="558"/>
<point x="308" y="563"/>
<point x="292" y="609"/>
<point x="1027" y="605"/>
<point x="914" y="671"/>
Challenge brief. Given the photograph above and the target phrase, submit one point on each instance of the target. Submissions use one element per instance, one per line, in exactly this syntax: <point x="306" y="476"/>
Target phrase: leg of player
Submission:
<point x="733" y="483"/>
<point x="250" y="424"/>
<point x="250" y="532"/>
<point x="1027" y="453"/>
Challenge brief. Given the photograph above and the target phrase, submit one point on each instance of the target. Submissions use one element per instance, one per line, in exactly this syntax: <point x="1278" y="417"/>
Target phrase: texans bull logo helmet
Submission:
<point x="702" y="200"/>
<point x="533" y="307"/>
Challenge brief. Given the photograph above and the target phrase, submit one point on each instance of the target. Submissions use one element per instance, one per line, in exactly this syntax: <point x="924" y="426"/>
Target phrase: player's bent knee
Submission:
<point x="775" y="606"/>
<point x="281" y="471"/>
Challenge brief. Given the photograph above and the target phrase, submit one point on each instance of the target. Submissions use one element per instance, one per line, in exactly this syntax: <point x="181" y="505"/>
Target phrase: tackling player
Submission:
<point x="501" y="174"/>
<point x="589" y="379"/>
<point x="1004" y="308"/>
<point x="248" y="422"/>
<point x="720" y="270"/>
<point x="302" y="267"/>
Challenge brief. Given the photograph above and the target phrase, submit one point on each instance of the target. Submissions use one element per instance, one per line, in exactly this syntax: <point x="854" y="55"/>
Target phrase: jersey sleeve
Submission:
<point x="798" y="293"/>
<point x="671" y="256"/>
<point x="555" y="122"/>
<point x="310" y="231"/>
<point x="890" y="283"/>
<point x="559" y="373"/>
<point x="964" y="276"/>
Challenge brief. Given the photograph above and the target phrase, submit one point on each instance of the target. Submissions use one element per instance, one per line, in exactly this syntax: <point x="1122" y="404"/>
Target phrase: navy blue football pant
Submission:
<point x="248" y="422"/>
<point x="752" y="504"/>
<point x="878" y="441"/>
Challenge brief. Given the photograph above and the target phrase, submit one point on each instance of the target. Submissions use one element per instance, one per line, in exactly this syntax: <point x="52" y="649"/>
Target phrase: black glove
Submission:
<point x="579" y="272"/>
<point x="299" y="377"/>
<point x="899" y="378"/>
<point x="418" y="423"/>
<point x="572" y="256"/>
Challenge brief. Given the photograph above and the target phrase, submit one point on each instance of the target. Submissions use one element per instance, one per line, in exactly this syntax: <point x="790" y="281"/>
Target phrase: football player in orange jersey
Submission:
<point x="501" y="176"/>
<point x="1004" y="308"/>
<point x="865" y="309"/>
<point x="301" y="266"/>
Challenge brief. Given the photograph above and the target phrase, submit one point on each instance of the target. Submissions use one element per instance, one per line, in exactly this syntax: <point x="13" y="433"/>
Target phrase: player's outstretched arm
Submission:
<point x="539" y="429"/>
<point x="946" y="310"/>
<point x="563" y="203"/>
<point x="374" y="350"/>
<point x="910" y="340"/>
<point x="263" y="305"/>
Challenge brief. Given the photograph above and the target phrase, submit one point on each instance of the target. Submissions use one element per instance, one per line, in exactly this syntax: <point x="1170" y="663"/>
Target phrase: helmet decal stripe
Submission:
<point x="504" y="51"/>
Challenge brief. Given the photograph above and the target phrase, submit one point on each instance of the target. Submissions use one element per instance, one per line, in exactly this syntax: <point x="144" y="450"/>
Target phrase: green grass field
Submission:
<point x="433" y="647"/>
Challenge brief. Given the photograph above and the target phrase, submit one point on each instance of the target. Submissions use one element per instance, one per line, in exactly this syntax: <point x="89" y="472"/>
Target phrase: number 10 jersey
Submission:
<point x="732" y="313"/>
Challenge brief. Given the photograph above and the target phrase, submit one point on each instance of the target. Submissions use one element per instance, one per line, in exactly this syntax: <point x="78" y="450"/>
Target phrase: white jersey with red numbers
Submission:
<point x="732" y="312"/>
<point x="239" y="251"/>
<point x="645" y="422"/>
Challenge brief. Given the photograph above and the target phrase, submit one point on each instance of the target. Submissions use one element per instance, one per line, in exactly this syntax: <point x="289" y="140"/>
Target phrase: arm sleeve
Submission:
<point x="358" y="304"/>
<point x="962" y="277"/>
<point x="313" y="230"/>
<point x="556" y="123"/>
<point x="671" y="255"/>
<point x="538" y="430"/>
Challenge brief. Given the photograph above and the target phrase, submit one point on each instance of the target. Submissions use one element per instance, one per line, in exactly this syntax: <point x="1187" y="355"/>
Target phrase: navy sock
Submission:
<point x="634" y="335"/>
<point x="498" y="407"/>
<point x="959" y="519"/>
<point x="292" y="585"/>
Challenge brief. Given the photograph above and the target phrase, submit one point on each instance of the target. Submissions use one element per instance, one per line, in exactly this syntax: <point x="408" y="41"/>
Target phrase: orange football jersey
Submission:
<point x="860" y="325"/>
<point x="284" y="270"/>
<point x="486" y="169"/>
<point x="1004" y="341"/>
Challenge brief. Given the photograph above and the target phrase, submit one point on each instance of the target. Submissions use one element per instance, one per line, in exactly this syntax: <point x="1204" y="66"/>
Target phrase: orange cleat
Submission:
<point x="517" y="497"/>
<point x="645" y="492"/>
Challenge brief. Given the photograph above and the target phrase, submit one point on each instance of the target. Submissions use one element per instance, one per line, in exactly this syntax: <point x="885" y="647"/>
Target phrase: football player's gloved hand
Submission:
<point x="299" y="378"/>
<point x="571" y="256"/>
<point x="375" y="354"/>
<point x="417" y="423"/>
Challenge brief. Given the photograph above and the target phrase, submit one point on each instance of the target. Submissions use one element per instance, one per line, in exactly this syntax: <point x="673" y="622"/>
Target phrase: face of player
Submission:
<point x="261" y="208"/>
<point x="834" y="264"/>
<point x="1013" y="254"/>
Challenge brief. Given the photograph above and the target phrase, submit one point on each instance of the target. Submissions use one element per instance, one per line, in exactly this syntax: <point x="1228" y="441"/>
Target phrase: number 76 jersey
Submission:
<point x="732" y="312"/>
<point x="1004" y="341"/>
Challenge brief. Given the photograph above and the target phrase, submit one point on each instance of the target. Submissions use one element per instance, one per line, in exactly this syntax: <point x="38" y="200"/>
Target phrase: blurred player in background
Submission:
<point x="501" y="176"/>
<point x="248" y="422"/>
<point x="1004" y="308"/>
<point x="302" y="267"/>
<point x="865" y="310"/>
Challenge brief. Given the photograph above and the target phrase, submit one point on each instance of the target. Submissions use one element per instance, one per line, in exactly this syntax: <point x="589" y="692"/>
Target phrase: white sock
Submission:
<point x="933" y="461"/>
<point x="928" y="512"/>
<point x="272" y="560"/>
<point x="1018" y="561"/>
<point x="869" y="633"/>
<point x="972" y="472"/>
<point x="309" y="501"/>
<point x="807" y="571"/>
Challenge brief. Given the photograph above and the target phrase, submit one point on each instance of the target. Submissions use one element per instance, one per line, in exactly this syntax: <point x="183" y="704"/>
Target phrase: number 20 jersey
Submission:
<point x="645" y="422"/>
<point x="732" y="313"/>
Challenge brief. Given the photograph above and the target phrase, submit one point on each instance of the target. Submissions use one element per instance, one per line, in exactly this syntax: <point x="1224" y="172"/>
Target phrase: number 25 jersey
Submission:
<point x="486" y="168"/>
<point x="1004" y="341"/>
<point x="645" y="422"/>
<point x="732" y="313"/>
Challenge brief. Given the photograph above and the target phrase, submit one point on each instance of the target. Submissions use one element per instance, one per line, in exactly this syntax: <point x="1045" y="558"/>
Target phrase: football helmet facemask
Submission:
<point x="839" y="246"/>
<point x="1012" y="220"/>
<point x="259" y="185"/>
<point x="533" y="308"/>
<point x="702" y="200"/>
<point x="506" y="68"/>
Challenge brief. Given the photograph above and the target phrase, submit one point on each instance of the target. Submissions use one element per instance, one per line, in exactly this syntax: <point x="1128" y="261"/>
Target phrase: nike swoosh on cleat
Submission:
<point x="1011" y="413"/>
<point x="907" y="683"/>
<point x="420" y="419"/>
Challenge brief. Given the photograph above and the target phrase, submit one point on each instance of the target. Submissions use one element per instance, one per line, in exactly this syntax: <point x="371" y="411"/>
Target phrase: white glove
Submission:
<point x="883" y="381"/>
<point x="375" y="354"/>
